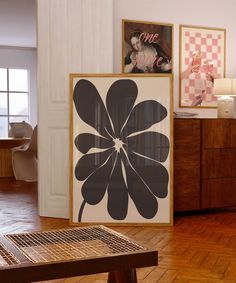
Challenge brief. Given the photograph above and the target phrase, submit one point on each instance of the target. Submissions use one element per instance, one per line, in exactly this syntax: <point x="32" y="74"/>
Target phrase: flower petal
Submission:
<point x="120" y="100"/>
<point x="90" y="162"/>
<point x="143" y="116"/>
<point x="84" y="142"/>
<point x="94" y="187"/>
<point x="90" y="107"/>
<point x="150" y="144"/>
<point x="117" y="205"/>
<point x="153" y="174"/>
<point x="144" y="200"/>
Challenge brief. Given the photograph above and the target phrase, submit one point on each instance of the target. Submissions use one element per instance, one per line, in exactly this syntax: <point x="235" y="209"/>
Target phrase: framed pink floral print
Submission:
<point x="202" y="60"/>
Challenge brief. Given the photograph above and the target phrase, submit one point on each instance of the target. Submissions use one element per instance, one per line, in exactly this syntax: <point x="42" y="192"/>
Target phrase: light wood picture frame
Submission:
<point x="202" y="59"/>
<point x="147" y="47"/>
<point x="121" y="149"/>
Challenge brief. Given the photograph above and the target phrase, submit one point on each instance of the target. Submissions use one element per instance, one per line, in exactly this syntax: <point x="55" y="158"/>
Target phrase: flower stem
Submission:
<point x="81" y="210"/>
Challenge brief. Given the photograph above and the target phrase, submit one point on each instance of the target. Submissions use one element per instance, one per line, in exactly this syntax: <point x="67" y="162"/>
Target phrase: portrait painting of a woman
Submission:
<point x="147" y="47"/>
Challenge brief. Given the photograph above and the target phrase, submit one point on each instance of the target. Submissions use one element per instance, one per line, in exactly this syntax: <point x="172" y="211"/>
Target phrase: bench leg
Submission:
<point x="122" y="276"/>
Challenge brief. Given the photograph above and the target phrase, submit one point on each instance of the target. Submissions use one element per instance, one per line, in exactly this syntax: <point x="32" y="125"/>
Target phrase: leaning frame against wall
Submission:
<point x="121" y="149"/>
<point x="202" y="59"/>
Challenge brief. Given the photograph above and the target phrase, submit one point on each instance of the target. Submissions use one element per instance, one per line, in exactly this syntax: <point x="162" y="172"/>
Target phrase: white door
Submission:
<point x="74" y="36"/>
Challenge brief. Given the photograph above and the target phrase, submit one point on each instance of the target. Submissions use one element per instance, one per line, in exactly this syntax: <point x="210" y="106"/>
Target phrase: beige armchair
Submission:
<point x="25" y="160"/>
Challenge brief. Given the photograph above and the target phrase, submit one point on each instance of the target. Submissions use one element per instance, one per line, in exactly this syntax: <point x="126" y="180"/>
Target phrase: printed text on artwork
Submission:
<point x="149" y="37"/>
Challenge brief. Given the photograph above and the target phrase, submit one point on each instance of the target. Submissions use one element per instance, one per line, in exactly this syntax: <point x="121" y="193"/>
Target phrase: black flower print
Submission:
<point x="127" y="161"/>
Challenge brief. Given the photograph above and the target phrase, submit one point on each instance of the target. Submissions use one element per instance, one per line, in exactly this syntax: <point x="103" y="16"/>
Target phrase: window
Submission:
<point x="14" y="98"/>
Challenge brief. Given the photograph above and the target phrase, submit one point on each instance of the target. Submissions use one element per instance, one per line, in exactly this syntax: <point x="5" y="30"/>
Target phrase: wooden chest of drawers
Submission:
<point x="204" y="157"/>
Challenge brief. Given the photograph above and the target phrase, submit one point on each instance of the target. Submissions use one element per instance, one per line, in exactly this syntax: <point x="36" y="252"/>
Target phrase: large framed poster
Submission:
<point x="121" y="149"/>
<point x="146" y="47"/>
<point x="202" y="60"/>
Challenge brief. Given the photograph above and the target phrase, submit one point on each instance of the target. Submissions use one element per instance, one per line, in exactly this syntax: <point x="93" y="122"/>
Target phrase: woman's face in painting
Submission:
<point x="136" y="43"/>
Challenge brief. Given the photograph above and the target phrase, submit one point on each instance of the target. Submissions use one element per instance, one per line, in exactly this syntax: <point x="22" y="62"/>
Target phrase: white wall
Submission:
<point x="18" y="23"/>
<point x="13" y="57"/>
<point x="217" y="14"/>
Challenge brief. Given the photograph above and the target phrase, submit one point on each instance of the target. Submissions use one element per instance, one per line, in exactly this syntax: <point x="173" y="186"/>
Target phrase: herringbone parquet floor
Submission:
<point x="198" y="248"/>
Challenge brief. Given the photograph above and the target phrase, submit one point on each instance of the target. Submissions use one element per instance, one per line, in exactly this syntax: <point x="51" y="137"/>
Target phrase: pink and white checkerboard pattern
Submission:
<point x="211" y="48"/>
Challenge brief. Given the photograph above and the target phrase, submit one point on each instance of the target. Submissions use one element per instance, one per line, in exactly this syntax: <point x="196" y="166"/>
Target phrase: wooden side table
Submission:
<point x="5" y="155"/>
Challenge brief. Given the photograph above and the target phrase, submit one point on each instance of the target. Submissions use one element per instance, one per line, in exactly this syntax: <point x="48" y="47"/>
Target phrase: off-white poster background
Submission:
<point x="149" y="88"/>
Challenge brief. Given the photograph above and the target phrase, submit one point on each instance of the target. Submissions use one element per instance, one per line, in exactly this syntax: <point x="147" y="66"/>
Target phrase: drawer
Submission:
<point x="218" y="133"/>
<point x="218" y="193"/>
<point x="187" y="134"/>
<point x="218" y="163"/>
<point x="186" y="180"/>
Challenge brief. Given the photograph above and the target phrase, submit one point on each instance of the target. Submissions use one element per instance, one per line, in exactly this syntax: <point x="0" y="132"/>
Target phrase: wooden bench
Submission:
<point x="37" y="256"/>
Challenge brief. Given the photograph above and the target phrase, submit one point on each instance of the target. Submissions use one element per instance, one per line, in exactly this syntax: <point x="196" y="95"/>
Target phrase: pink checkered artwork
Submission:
<point x="202" y="59"/>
